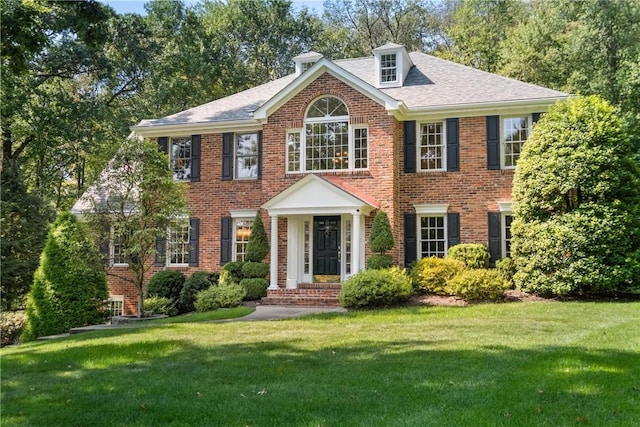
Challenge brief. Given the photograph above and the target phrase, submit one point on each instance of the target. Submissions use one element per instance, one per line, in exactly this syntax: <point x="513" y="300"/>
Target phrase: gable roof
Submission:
<point x="433" y="85"/>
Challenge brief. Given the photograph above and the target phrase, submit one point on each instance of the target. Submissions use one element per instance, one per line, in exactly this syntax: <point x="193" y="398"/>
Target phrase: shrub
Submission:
<point x="479" y="284"/>
<point x="198" y="281"/>
<point x="70" y="286"/>
<point x="254" y="288"/>
<point x="257" y="270"/>
<point x="474" y="255"/>
<point x="376" y="288"/>
<point x="159" y="305"/>
<point x="11" y="326"/>
<point x="258" y="245"/>
<point x="381" y="238"/>
<point x="507" y="268"/>
<point x="431" y="274"/>
<point x="167" y="284"/>
<point x="235" y="268"/>
<point x="226" y="279"/>
<point x="379" y="262"/>
<point x="217" y="297"/>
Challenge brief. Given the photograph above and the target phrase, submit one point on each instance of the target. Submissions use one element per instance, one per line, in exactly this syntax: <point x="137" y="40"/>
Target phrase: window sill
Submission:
<point x="341" y="172"/>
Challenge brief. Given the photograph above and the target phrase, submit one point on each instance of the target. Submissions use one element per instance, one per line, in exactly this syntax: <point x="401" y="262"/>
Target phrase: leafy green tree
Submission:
<point x="137" y="197"/>
<point x="70" y="286"/>
<point x="258" y="245"/>
<point x="576" y="198"/>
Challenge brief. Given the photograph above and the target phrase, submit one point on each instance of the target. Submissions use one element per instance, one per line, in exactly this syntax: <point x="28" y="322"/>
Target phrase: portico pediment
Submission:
<point x="314" y="195"/>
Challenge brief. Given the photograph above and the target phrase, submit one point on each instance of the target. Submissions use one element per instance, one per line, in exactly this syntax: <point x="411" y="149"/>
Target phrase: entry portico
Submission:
<point x="325" y="230"/>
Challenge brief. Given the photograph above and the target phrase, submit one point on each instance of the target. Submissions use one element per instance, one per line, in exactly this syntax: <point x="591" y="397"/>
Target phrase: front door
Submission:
<point x="326" y="248"/>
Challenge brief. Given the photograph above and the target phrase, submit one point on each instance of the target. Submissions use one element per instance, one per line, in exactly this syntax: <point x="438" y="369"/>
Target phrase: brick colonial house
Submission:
<point x="432" y="143"/>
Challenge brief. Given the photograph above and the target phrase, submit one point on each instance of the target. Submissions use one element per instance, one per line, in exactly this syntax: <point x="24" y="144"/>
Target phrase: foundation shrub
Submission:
<point x="479" y="284"/>
<point x="376" y="288"/>
<point x="507" y="268"/>
<point x="254" y="288"/>
<point x="216" y="297"/>
<point x="430" y="275"/>
<point x="254" y="270"/>
<point x="198" y="281"/>
<point x="380" y="261"/>
<point x="167" y="284"/>
<point x="235" y="268"/>
<point x="159" y="305"/>
<point x="474" y="255"/>
<point x="11" y="326"/>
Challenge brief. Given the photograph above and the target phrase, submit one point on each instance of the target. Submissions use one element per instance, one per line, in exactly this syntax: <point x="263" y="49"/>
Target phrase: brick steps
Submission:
<point x="306" y="295"/>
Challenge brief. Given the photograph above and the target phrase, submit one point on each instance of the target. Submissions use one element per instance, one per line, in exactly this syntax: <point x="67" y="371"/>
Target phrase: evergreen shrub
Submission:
<point x="376" y="288"/>
<point x="431" y="274"/>
<point x="235" y="268"/>
<point x="255" y="288"/>
<point x="381" y="238"/>
<point x="198" y="281"/>
<point x="255" y="270"/>
<point x="70" y="286"/>
<point x="379" y="262"/>
<point x="474" y="255"/>
<point x="217" y="297"/>
<point x="166" y="283"/>
<point x="507" y="268"/>
<point x="258" y="245"/>
<point x="159" y="305"/>
<point x="479" y="284"/>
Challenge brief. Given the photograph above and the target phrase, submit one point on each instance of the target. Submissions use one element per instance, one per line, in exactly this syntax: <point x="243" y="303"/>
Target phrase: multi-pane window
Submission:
<point x="432" y="236"/>
<point x="515" y="133"/>
<point x="115" y="305"/>
<point x="178" y="244"/>
<point x="327" y="141"/>
<point x="347" y="243"/>
<point x="181" y="158"/>
<point x="431" y="146"/>
<point x="242" y="231"/>
<point x="388" y="68"/>
<point x="360" y="147"/>
<point x="118" y="249"/>
<point x="307" y="247"/>
<point x="246" y="155"/>
<point x="506" y="230"/>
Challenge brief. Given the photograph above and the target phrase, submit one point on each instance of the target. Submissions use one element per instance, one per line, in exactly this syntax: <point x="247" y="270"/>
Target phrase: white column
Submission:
<point x="274" y="253"/>
<point x="355" y="243"/>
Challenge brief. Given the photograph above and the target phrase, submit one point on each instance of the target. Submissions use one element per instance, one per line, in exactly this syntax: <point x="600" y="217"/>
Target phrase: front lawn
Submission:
<point x="518" y="364"/>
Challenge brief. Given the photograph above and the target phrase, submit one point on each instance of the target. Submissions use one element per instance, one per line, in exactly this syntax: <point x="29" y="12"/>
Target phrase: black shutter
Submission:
<point x="410" y="242"/>
<point x="453" y="229"/>
<point x="227" y="156"/>
<point x="163" y="144"/>
<point x="194" y="234"/>
<point x="535" y="117"/>
<point x="260" y="154"/>
<point x="493" y="142"/>
<point x="225" y="240"/>
<point x="103" y="247"/>
<point x="410" y="146"/>
<point x="195" y="157"/>
<point x="495" y="235"/>
<point x="453" y="145"/>
<point x="161" y="253"/>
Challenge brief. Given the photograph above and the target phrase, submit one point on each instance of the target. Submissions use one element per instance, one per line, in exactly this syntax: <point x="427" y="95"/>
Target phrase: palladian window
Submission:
<point x="327" y="142"/>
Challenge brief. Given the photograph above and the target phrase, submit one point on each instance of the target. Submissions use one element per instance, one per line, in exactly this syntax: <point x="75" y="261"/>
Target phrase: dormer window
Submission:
<point x="388" y="68"/>
<point x="305" y="61"/>
<point x="392" y="64"/>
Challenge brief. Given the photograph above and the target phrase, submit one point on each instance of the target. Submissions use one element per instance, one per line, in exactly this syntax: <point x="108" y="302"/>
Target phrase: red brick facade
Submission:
<point x="472" y="191"/>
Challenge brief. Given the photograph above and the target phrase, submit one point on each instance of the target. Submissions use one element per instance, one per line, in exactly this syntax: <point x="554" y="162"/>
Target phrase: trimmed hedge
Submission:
<point x="380" y="261"/>
<point x="254" y="288"/>
<point x="431" y="274"/>
<point x="376" y="288"/>
<point x="235" y="268"/>
<point x="159" y="305"/>
<point x="219" y="297"/>
<point x="478" y="285"/>
<point x="167" y="284"/>
<point x="198" y="281"/>
<point x="474" y="255"/>
<point x="254" y="270"/>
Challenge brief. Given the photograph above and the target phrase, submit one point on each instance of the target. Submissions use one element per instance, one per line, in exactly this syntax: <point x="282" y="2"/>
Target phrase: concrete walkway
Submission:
<point x="261" y="313"/>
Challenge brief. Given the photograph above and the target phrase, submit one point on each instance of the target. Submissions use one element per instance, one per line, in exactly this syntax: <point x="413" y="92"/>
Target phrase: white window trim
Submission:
<point x="419" y="145"/>
<point x="238" y="216"/>
<point x="503" y="142"/>
<point x="167" y="249"/>
<point x="396" y="67"/>
<point x="115" y="299"/>
<point x="235" y="155"/>
<point x="432" y="209"/>
<point x="112" y="249"/>
<point x="170" y="152"/>
<point x="300" y="133"/>
<point x="352" y="146"/>
<point x="445" y="225"/>
<point x="503" y="232"/>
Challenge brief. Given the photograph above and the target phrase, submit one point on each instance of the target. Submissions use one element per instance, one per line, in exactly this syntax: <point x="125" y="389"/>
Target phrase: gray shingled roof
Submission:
<point x="431" y="83"/>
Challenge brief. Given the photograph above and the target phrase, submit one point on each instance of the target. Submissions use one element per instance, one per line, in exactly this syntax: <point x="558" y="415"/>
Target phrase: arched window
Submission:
<point x="327" y="141"/>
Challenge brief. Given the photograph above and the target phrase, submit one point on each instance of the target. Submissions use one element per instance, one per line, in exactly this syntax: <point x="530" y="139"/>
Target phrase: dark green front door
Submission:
<point x="326" y="245"/>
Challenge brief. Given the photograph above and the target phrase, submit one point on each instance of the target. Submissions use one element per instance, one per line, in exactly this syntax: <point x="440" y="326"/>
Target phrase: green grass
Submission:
<point x="220" y="314"/>
<point x="519" y="364"/>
